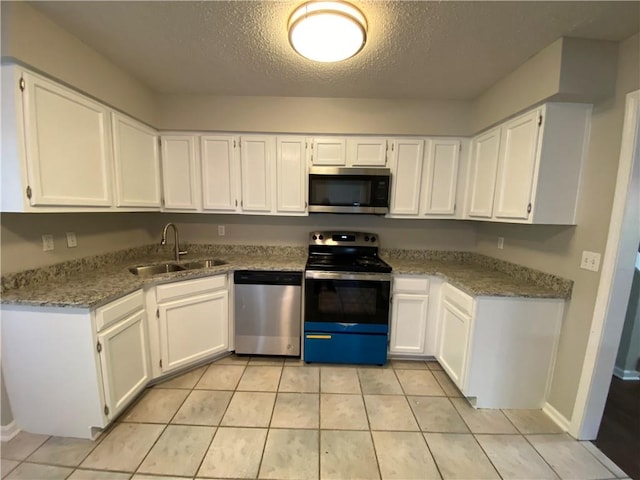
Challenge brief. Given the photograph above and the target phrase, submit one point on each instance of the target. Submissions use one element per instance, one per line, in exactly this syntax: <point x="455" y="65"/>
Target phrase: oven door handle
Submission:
<point x="369" y="277"/>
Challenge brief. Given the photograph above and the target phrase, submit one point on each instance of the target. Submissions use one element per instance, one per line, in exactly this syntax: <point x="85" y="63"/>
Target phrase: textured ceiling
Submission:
<point x="422" y="50"/>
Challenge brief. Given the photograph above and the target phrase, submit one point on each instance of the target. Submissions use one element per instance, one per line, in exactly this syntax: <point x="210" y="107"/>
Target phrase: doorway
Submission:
<point x="615" y="282"/>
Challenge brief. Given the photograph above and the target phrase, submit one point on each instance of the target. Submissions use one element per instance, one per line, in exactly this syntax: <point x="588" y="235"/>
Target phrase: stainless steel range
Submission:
<point x="347" y="292"/>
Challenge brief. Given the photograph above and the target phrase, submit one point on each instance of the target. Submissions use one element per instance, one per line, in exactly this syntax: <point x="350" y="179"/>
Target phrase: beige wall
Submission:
<point x="268" y="230"/>
<point x="97" y="233"/>
<point x="33" y="39"/>
<point x="570" y="69"/>
<point x="313" y="115"/>
<point x="558" y="249"/>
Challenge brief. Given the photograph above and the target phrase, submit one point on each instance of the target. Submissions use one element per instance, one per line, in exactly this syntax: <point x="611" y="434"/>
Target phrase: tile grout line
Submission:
<point x="266" y="438"/>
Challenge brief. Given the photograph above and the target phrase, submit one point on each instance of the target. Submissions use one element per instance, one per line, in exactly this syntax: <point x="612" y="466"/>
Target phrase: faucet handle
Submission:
<point x="183" y="252"/>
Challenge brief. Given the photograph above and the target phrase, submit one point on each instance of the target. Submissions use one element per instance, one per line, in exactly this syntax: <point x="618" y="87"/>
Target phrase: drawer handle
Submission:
<point x="320" y="337"/>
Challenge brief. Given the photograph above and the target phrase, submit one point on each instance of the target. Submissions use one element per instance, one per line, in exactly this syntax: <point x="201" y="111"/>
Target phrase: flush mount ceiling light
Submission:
<point x="327" y="31"/>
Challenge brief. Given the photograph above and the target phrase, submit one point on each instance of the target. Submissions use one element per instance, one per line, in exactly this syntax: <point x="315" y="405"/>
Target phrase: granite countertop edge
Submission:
<point x="96" y="282"/>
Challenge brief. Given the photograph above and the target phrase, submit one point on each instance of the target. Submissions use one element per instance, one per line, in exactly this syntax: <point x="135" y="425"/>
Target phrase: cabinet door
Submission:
<point x="484" y="167"/>
<point x="408" y="323"/>
<point x="67" y="146"/>
<point x="291" y="174"/>
<point x="135" y="154"/>
<point x="455" y="327"/>
<point x="406" y="175"/>
<point x="192" y="328"/>
<point x="179" y="172"/>
<point x="124" y="358"/>
<point x="329" y="151"/>
<point x="441" y="177"/>
<point x="220" y="175"/>
<point x="516" y="170"/>
<point x="256" y="154"/>
<point x="366" y="152"/>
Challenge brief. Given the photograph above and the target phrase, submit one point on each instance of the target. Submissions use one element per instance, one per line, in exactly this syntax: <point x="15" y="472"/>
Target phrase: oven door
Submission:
<point x="347" y="302"/>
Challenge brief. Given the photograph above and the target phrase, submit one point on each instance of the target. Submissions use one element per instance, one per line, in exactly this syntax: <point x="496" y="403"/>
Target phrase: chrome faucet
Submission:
<point x="178" y="252"/>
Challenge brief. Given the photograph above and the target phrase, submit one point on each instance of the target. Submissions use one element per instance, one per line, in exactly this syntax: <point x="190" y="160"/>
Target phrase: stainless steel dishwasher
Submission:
<point x="268" y="313"/>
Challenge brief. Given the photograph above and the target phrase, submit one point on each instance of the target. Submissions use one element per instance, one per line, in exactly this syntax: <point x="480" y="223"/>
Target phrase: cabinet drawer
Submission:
<point x="458" y="298"/>
<point x="119" y="309"/>
<point x="190" y="287"/>
<point x="411" y="284"/>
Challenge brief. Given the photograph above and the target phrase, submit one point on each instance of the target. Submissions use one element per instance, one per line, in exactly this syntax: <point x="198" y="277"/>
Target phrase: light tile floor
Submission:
<point x="273" y="418"/>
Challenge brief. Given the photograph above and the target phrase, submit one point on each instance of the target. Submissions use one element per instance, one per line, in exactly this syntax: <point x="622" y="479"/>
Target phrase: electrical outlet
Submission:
<point x="47" y="243"/>
<point x="221" y="230"/>
<point x="590" y="261"/>
<point x="72" y="241"/>
<point x="500" y="243"/>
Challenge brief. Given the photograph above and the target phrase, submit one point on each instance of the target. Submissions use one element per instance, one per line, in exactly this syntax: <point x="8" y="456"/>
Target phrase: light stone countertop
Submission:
<point x="95" y="281"/>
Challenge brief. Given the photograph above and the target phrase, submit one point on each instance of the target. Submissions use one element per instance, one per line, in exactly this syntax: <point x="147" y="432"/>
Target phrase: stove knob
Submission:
<point x="314" y="237"/>
<point x="321" y="237"/>
<point x="366" y="238"/>
<point x="373" y="239"/>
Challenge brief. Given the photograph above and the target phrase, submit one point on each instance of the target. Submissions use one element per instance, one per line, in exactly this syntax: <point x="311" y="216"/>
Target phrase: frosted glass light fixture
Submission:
<point x="327" y="31"/>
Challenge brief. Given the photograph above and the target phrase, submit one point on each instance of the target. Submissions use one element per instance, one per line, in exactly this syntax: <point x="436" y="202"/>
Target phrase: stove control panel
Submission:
<point x="344" y="239"/>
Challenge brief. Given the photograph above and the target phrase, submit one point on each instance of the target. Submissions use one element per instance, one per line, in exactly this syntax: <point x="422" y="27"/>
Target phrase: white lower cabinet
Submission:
<point x="123" y="348"/>
<point x="83" y="366"/>
<point x="409" y="316"/>
<point x="193" y="320"/>
<point x="499" y="351"/>
<point x="455" y="326"/>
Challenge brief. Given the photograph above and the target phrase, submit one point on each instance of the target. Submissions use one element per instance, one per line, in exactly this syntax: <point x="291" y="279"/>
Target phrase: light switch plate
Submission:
<point x="221" y="230"/>
<point x="590" y="261"/>
<point x="47" y="243"/>
<point x="72" y="241"/>
<point x="500" y="243"/>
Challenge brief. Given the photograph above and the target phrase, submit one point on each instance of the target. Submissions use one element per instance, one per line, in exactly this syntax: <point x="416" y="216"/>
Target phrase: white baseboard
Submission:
<point x="626" y="374"/>
<point x="556" y="416"/>
<point x="7" y="432"/>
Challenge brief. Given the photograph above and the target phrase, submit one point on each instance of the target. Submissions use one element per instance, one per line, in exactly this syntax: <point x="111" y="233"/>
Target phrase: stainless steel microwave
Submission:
<point x="349" y="190"/>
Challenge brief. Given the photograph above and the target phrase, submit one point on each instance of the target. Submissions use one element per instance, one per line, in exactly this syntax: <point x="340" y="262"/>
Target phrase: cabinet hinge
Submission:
<point x="106" y="410"/>
<point x="159" y="142"/>
<point x="459" y="147"/>
<point x="160" y="363"/>
<point x="392" y="146"/>
<point x="241" y="204"/>
<point x="540" y="120"/>
<point x="234" y="144"/>
<point x="157" y="313"/>
<point x="305" y="205"/>
<point x="236" y="202"/>
<point x="455" y="205"/>
<point x="528" y="209"/>
<point x="22" y="84"/>
<point x="99" y="347"/>
<point x="29" y="192"/>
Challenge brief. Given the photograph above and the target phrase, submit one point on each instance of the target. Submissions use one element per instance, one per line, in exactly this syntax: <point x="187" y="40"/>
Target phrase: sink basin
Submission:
<point x="210" y="262"/>
<point x="148" y="270"/>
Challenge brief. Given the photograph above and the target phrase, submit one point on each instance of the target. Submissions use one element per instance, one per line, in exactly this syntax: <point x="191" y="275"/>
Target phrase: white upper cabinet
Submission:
<point x="179" y="172"/>
<point x="482" y="171"/>
<point x="407" y="158"/>
<point x="440" y="177"/>
<point x="291" y="175"/>
<point x="56" y="146"/>
<point x="539" y="166"/>
<point x="516" y="170"/>
<point x="366" y="152"/>
<point x="220" y="173"/>
<point x="137" y="166"/>
<point x="424" y="178"/>
<point x="329" y="151"/>
<point x="256" y="158"/>
<point x="349" y="151"/>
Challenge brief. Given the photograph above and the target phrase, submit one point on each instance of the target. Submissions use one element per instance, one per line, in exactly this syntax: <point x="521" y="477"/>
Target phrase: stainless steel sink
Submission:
<point x="148" y="270"/>
<point x="208" y="263"/>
